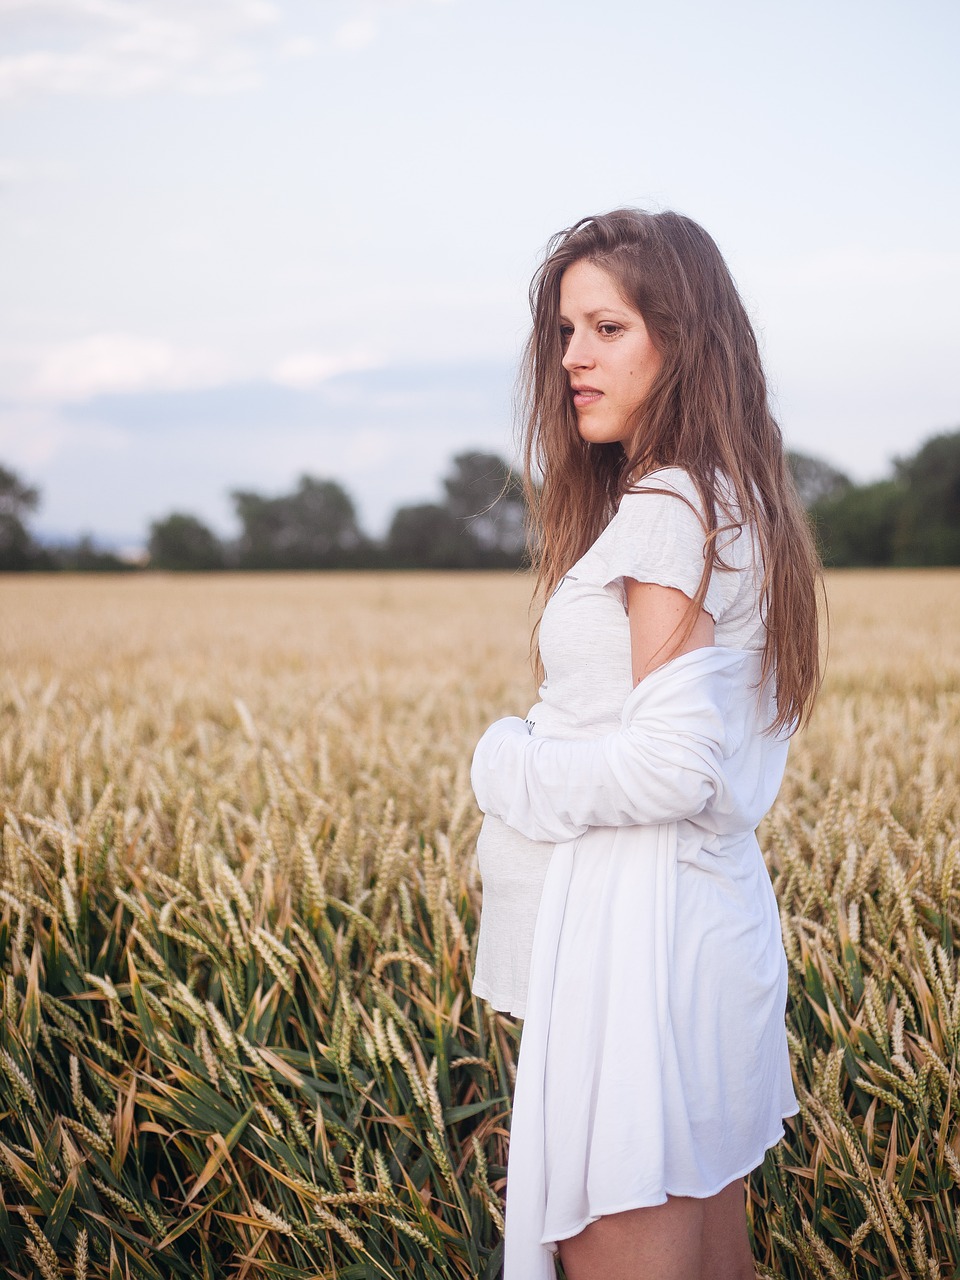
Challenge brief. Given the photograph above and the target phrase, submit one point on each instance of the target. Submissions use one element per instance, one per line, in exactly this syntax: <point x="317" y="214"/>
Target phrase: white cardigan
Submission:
<point x="654" y="1057"/>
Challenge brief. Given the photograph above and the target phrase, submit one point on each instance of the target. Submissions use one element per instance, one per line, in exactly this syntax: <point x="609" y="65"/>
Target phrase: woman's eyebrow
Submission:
<point x="592" y="315"/>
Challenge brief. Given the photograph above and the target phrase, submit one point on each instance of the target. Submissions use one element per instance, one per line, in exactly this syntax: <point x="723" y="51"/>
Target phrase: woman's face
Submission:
<point x="609" y="356"/>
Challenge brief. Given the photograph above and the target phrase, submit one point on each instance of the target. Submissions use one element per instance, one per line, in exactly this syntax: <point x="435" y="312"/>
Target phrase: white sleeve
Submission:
<point x="665" y="764"/>
<point x="658" y="537"/>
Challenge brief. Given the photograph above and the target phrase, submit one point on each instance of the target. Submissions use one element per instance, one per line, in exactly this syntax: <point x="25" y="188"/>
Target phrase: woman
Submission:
<point x="627" y="912"/>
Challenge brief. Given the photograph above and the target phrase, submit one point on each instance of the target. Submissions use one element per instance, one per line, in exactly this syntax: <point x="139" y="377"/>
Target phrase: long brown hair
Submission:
<point x="706" y="412"/>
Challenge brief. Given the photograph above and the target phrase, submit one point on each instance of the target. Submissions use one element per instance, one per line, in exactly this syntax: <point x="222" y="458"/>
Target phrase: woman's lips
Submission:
<point x="583" y="396"/>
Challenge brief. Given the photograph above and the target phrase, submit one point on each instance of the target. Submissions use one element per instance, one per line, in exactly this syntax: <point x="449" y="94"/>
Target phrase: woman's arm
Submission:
<point x="658" y="618"/>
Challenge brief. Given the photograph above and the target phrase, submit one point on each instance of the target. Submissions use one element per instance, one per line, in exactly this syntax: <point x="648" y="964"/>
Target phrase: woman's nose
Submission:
<point x="577" y="354"/>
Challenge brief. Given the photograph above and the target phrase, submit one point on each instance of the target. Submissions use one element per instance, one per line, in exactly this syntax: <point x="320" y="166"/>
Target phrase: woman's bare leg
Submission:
<point x="685" y="1239"/>
<point x="661" y="1242"/>
<point x="726" y="1253"/>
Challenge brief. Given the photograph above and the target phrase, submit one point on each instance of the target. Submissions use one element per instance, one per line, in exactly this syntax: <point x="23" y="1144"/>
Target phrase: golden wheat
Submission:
<point x="239" y="898"/>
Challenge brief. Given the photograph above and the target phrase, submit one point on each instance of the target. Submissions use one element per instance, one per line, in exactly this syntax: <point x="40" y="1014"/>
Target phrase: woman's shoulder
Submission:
<point x="661" y="512"/>
<point x="678" y="478"/>
<point x="673" y="491"/>
<point x="661" y="526"/>
<point x="655" y="494"/>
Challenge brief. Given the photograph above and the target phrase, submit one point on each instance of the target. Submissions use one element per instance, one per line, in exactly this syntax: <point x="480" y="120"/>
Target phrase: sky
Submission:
<point x="244" y="240"/>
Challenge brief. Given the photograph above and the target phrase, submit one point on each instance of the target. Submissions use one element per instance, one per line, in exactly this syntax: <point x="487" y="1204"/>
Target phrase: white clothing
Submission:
<point x="654" y="1056"/>
<point x="585" y="646"/>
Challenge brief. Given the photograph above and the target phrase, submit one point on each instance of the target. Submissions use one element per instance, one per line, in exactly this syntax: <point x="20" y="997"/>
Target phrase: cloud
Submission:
<point x="394" y="398"/>
<point x="113" y="47"/>
<point x="34" y="436"/>
<point x="116" y="461"/>
<point x="859" y="267"/>
<point x="355" y="34"/>
<point x="105" y="363"/>
<point x="297" y="47"/>
<point x="15" y="171"/>
<point x="117" y="48"/>
<point x="305" y="369"/>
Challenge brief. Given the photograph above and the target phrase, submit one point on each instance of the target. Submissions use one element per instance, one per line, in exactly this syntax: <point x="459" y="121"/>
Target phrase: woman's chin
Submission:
<point x="591" y="435"/>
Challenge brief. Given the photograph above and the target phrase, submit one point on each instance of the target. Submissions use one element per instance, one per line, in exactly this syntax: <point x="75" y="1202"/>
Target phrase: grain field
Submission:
<point x="238" y="900"/>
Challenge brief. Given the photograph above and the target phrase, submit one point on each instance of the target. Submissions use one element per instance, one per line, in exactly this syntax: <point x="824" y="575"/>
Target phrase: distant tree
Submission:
<point x="312" y="528"/>
<point x="84" y="556"/>
<point x="816" y="480"/>
<point x="486" y="495"/>
<point x="17" y="499"/>
<point x="430" y="537"/>
<point x="858" y="528"/>
<point x="928" y="524"/>
<point x="182" y="542"/>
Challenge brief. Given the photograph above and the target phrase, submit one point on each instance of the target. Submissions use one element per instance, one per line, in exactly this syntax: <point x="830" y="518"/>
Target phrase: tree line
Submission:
<point x="912" y="518"/>
<point x="477" y="524"/>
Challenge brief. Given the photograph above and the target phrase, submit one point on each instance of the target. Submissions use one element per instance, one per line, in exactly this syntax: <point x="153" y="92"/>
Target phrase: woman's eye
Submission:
<point x="609" y="329"/>
<point x="566" y="333"/>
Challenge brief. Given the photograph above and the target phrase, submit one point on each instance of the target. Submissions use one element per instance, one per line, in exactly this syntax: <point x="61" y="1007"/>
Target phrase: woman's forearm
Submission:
<point x="664" y="764"/>
<point x="554" y="789"/>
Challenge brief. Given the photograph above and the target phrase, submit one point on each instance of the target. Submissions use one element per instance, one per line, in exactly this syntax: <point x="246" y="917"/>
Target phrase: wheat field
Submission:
<point x="238" y="899"/>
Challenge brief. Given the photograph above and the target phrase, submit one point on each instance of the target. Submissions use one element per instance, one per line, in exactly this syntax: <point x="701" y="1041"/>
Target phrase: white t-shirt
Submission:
<point x="655" y="537"/>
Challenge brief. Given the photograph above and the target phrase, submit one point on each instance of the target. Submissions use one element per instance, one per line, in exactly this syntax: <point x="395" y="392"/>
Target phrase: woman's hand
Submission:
<point x="665" y="763"/>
